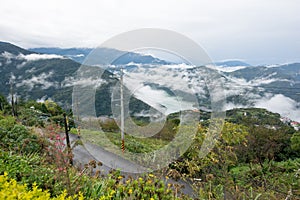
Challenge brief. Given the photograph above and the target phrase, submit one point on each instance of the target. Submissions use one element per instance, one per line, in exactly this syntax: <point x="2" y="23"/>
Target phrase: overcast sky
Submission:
<point x="256" y="31"/>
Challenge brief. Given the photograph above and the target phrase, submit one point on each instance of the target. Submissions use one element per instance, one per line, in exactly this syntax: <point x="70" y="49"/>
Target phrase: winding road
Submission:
<point x="82" y="155"/>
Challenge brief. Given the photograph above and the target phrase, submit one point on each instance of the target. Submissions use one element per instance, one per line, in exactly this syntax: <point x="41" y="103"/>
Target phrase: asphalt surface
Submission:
<point x="82" y="156"/>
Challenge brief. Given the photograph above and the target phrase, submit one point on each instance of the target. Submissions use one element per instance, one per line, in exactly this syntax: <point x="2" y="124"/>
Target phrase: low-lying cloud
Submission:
<point x="41" y="79"/>
<point x="83" y="82"/>
<point x="34" y="57"/>
<point x="281" y="104"/>
<point x="248" y="93"/>
<point x="26" y="58"/>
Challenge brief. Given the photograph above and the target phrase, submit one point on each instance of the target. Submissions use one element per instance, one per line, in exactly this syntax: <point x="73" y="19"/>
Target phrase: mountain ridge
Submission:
<point x="39" y="76"/>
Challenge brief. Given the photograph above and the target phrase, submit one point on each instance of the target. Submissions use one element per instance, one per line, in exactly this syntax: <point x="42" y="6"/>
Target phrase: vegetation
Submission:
<point x="256" y="157"/>
<point x="39" y="168"/>
<point x="249" y="161"/>
<point x="10" y="189"/>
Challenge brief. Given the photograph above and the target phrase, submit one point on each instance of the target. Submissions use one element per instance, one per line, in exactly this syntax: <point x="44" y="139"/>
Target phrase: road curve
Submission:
<point x="83" y="156"/>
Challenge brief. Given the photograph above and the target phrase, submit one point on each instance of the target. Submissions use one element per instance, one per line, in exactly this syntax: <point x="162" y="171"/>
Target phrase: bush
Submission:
<point x="295" y="142"/>
<point x="109" y="125"/>
<point x="115" y="186"/>
<point x="26" y="169"/>
<point x="31" y="117"/>
<point x="10" y="189"/>
<point x="17" y="138"/>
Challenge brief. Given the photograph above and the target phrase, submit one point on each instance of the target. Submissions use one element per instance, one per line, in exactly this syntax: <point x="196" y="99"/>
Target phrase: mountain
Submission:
<point x="274" y="88"/>
<point x="152" y="86"/>
<point x="76" y="54"/>
<point x="231" y="63"/>
<point x="47" y="76"/>
<point x="282" y="79"/>
<point x="79" y="55"/>
<point x="33" y="75"/>
<point x="7" y="47"/>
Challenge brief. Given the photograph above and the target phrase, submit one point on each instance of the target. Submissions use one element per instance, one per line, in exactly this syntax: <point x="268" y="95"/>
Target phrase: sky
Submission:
<point x="254" y="31"/>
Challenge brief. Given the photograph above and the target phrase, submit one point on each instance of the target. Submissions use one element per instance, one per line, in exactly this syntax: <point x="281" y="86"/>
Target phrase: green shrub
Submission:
<point x="31" y="117"/>
<point x="109" y="125"/>
<point x="10" y="189"/>
<point x="15" y="137"/>
<point x="26" y="169"/>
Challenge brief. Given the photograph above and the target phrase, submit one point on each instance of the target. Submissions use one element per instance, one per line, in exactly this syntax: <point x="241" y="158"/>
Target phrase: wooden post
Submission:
<point x="68" y="139"/>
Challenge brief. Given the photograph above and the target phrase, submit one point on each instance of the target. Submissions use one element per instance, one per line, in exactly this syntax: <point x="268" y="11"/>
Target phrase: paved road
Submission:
<point x="84" y="153"/>
<point x="83" y="156"/>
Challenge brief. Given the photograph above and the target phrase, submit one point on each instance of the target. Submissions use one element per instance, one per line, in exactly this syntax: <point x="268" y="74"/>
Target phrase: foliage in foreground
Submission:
<point x="15" y="137"/>
<point x="10" y="189"/>
<point x="45" y="172"/>
<point x="249" y="161"/>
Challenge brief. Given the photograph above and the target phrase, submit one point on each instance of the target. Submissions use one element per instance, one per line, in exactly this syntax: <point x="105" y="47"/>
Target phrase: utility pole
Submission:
<point x="16" y="106"/>
<point x="122" y="111"/>
<point x="78" y="117"/>
<point x="77" y="109"/>
<point x="12" y="99"/>
<point x="67" y="129"/>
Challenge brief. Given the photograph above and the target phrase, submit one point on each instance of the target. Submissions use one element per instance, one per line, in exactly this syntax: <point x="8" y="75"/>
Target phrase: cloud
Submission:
<point x="31" y="70"/>
<point x="228" y="69"/>
<point x="35" y="57"/>
<point x="26" y="58"/>
<point x="162" y="101"/>
<point x="38" y="80"/>
<point x="171" y="74"/>
<point x="19" y="66"/>
<point x="95" y="82"/>
<point x="278" y="103"/>
<point x="43" y="99"/>
<point x="251" y="29"/>
<point x="76" y="56"/>
<point x="281" y="104"/>
<point x="8" y="56"/>
<point x="171" y="88"/>
<point x="12" y="78"/>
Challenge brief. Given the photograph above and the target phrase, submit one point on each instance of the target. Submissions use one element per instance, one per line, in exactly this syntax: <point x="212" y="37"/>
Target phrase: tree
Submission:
<point x="295" y="143"/>
<point x="53" y="108"/>
<point x="222" y="156"/>
<point x="264" y="144"/>
<point x="4" y="105"/>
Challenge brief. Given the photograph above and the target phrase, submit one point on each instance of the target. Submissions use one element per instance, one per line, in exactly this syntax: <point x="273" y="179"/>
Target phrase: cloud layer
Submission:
<point x="282" y="105"/>
<point x="256" y="31"/>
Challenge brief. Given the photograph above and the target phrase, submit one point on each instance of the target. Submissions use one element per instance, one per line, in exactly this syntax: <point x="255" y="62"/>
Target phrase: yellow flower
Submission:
<point x="130" y="191"/>
<point x="112" y="192"/>
<point x="151" y="198"/>
<point x="151" y="175"/>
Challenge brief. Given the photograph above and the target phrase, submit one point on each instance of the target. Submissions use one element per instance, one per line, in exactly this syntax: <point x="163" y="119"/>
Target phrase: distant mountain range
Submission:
<point x="76" y="54"/>
<point x="48" y="76"/>
<point x="79" y="55"/>
<point x="231" y="63"/>
<point x="43" y="73"/>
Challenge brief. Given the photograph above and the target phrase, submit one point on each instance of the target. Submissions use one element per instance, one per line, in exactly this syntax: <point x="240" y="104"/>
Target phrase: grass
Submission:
<point x="137" y="150"/>
<point x="111" y="140"/>
<point x="149" y="152"/>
